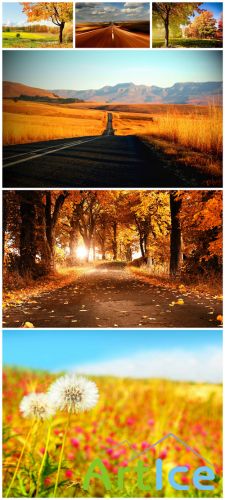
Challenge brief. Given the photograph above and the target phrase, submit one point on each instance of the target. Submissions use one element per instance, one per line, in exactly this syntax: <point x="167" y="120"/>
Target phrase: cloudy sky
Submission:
<point x="172" y="354"/>
<point x="113" y="11"/>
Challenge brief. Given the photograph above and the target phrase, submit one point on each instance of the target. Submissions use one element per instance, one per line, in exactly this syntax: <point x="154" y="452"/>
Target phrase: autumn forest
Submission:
<point x="168" y="232"/>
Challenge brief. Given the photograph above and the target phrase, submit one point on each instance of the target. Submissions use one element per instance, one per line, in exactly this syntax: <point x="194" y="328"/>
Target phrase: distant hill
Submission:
<point x="12" y="89"/>
<point x="127" y="93"/>
<point x="179" y="93"/>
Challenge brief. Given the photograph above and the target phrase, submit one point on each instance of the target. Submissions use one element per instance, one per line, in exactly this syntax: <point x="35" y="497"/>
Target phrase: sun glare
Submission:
<point x="81" y="252"/>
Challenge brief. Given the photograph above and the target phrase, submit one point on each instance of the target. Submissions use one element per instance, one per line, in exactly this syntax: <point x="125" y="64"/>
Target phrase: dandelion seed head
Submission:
<point x="73" y="394"/>
<point x="36" y="405"/>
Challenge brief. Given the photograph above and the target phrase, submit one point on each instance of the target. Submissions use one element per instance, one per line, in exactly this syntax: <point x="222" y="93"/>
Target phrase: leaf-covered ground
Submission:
<point x="139" y="411"/>
<point x="106" y="297"/>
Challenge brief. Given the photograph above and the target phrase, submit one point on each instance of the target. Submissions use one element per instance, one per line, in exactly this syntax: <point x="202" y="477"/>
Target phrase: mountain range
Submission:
<point x="179" y="93"/>
<point x="129" y="93"/>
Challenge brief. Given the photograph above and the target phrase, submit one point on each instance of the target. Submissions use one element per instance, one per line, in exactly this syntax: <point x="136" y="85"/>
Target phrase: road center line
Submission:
<point x="33" y="151"/>
<point x="16" y="162"/>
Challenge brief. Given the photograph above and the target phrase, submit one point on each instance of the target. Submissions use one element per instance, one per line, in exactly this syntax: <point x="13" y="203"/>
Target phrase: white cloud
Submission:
<point x="174" y="364"/>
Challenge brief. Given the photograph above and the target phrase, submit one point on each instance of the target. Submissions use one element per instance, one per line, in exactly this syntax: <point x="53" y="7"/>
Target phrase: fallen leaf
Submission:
<point x="27" y="324"/>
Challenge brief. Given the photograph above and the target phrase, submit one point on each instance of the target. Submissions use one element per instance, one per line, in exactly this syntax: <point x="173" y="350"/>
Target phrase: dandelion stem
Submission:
<point x="61" y="454"/>
<point x="44" y="457"/>
<point x="19" y="461"/>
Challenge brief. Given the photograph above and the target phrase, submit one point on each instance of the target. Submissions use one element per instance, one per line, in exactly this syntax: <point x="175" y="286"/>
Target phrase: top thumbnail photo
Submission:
<point x="37" y="25"/>
<point x="187" y="25"/>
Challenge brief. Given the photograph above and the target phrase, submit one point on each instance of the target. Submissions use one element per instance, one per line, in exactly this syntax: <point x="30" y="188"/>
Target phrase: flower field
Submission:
<point x="138" y="411"/>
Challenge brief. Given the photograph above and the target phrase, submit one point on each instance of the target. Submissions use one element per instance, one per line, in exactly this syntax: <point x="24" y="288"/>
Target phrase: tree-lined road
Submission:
<point x="113" y="297"/>
<point x="111" y="37"/>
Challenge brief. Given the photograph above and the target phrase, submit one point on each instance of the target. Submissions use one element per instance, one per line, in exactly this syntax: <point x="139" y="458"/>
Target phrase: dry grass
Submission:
<point x="200" y="130"/>
<point x="25" y="122"/>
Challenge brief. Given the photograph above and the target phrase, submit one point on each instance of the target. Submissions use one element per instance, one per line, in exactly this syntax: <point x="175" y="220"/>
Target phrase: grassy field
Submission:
<point x="25" y="122"/>
<point x="32" y="40"/>
<point x="140" y="411"/>
<point x="195" y="129"/>
<point x="200" y="129"/>
<point x="187" y="43"/>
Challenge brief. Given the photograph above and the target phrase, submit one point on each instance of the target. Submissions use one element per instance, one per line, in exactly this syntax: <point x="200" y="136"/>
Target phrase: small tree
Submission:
<point x="173" y="14"/>
<point x="205" y="25"/>
<point x="59" y="13"/>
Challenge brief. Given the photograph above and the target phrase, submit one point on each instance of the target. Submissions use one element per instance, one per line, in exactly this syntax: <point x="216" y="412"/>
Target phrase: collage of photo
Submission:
<point x="112" y="231"/>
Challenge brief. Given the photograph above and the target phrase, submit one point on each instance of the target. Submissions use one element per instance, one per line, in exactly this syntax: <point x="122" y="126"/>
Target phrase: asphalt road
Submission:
<point x="114" y="297"/>
<point x="111" y="37"/>
<point x="98" y="161"/>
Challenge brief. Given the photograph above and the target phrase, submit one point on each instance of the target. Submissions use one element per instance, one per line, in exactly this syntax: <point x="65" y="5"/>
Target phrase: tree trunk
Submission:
<point x="61" y="28"/>
<point x="167" y="30"/>
<point x="41" y="238"/>
<point x="5" y="220"/>
<point x="175" y="235"/>
<point x="148" y="251"/>
<point x="27" y="234"/>
<point x="142" y="246"/>
<point x="49" y="229"/>
<point x="114" y="243"/>
<point x="51" y="220"/>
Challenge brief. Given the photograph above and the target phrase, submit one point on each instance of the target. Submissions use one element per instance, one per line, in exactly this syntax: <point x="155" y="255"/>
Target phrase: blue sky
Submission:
<point x="215" y="8"/>
<point x="175" y="354"/>
<point x="111" y="11"/>
<point x="12" y="15"/>
<point x="82" y="69"/>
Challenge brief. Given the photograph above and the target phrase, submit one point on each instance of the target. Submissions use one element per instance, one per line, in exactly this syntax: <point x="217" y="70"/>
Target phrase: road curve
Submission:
<point x="110" y="297"/>
<point x="111" y="37"/>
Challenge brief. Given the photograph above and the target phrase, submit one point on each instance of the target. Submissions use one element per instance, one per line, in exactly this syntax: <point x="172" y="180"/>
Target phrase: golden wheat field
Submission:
<point x="25" y="122"/>
<point x="198" y="128"/>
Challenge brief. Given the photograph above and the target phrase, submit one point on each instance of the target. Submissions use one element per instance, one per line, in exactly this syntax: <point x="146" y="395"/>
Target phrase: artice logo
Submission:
<point x="201" y="477"/>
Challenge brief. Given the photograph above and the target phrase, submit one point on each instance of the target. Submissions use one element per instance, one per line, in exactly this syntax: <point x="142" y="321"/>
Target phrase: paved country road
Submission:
<point x="98" y="161"/>
<point x="113" y="297"/>
<point x="111" y="37"/>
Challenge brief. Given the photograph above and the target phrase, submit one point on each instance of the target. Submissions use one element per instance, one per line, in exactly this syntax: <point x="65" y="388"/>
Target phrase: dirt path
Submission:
<point x="114" y="297"/>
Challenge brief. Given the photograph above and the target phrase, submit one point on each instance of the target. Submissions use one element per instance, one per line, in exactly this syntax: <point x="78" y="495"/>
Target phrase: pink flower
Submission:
<point x="124" y="463"/>
<point x="109" y="451"/>
<point x="185" y="480"/>
<point x="69" y="473"/>
<point x="79" y="430"/>
<point x="117" y="453"/>
<point x="75" y="442"/>
<point x="70" y="456"/>
<point x="131" y="421"/>
<point x="163" y="454"/>
<point x="42" y="450"/>
<point x="145" y="445"/>
<point x="151" y="422"/>
<point x="106" y="463"/>
<point x="110" y="440"/>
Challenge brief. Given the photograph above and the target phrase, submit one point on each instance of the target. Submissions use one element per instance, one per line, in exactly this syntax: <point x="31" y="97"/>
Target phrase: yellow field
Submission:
<point x="200" y="129"/>
<point x="25" y="122"/>
<point x="136" y="411"/>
